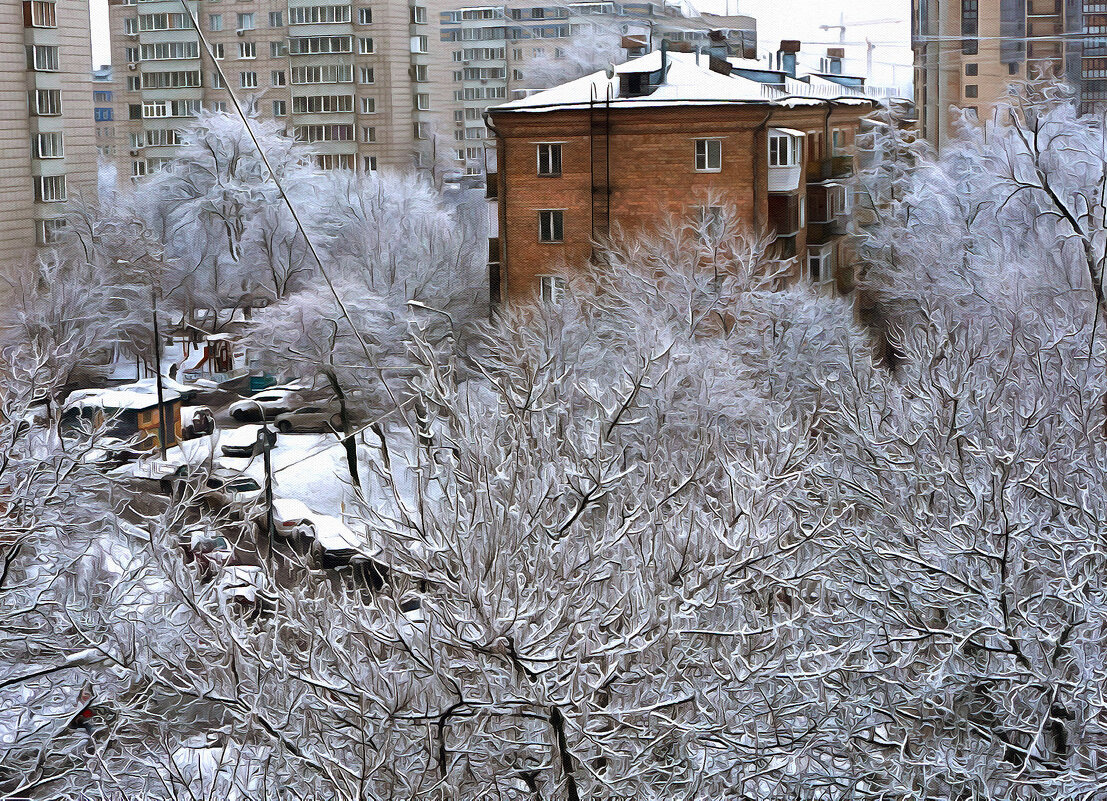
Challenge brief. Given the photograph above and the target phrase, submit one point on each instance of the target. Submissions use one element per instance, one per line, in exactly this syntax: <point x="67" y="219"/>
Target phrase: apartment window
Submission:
<point x="39" y="14"/>
<point x="370" y="163"/>
<point x="517" y="53"/>
<point x="50" y="188"/>
<point x="217" y="81"/>
<point x="552" y="288"/>
<point x="365" y="16"/>
<point x="134" y="111"/>
<point x="276" y="19"/>
<point x="48" y="146"/>
<point x="50" y="231"/>
<point x="136" y="141"/>
<point x="972" y="69"/>
<point x="277" y="77"/>
<point x="248" y="80"/>
<point x="331" y="73"/>
<point x="970" y="26"/>
<point x="279" y="108"/>
<point x="134" y="83"/>
<point x="516" y="75"/>
<point x="418" y="15"/>
<point x="138" y="169"/>
<point x="177" y="79"/>
<point x="837" y="142"/>
<point x="218" y="51"/>
<point x="709" y="155"/>
<point x="549" y="159"/>
<point x="131" y="54"/>
<point x="313" y="45"/>
<point x="971" y="90"/>
<point x="1013" y="68"/>
<point x="420" y="130"/>
<point x="333" y="161"/>
<point x="459" y="135"/>
<point x="551" y="225"/>
<point x="103" y="115"/>
<point x="42" y="58"/>
<point x="167" y="50"/>
<point x="216" y="105"/>
<point x="820" y="264"/>
<point x="368" y="105"/>
<point x="365" y="45"/>
<point x="365" y="74"/>
<point x="47" y="102"/>
<point x="215" y="22"/>
<point x="130" y="26"/>
<point x="278" y="49"/>
<point x="421" y="73"/>
<point x="246" y="21"/>
<point x="783" y="150"/>
<point x="368" y="134"/>
<point x="459" y="75"/>
<point x="422" y="101"/>
<point x="420" y="44"/>
<point x="164" y="22"/>
<point x="322" y="104"/>
<point x="247" y="50"/>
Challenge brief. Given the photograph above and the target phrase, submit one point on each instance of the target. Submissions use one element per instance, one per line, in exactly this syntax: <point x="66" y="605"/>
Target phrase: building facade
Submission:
<point x="367" y="84"/>
<point x="967" y="52"/>
<point x="47" y="152"/>
<point x="103" y="112"/>
<point x="665" y="135"/>
<point x="359" y="81"/>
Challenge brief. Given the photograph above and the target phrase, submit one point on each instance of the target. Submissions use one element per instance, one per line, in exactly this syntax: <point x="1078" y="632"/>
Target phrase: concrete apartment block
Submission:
<point x="47" y="148"/>
<point x="967" y="53"/>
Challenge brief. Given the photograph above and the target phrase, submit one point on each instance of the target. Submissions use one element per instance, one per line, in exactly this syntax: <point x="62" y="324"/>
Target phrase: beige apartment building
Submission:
<point x="368" y="84"/>
<point x="47" y="152"/>
<point x="967" y="52"/>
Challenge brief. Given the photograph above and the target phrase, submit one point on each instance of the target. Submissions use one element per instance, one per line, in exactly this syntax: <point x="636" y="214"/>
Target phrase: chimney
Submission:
<point x="834" y="56"/>
<point x="718" y="46"/>
<point x="786" y="56"/>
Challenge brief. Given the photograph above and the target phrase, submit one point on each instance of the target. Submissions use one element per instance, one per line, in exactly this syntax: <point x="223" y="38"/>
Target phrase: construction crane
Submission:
<point x="869" y="46"/>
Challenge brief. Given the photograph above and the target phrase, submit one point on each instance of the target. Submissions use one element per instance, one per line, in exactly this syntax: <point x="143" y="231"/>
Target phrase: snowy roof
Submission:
<point x="686" y="83"/>
<point x="136" y="396"/>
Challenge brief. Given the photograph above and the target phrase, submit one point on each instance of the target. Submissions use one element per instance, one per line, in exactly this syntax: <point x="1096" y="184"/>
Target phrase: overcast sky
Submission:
<point x="776" y="20"/>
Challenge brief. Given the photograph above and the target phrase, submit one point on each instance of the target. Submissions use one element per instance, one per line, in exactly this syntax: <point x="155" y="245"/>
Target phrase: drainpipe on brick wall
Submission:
<point x="756" y="170"/>
<point x="501" y="213"/>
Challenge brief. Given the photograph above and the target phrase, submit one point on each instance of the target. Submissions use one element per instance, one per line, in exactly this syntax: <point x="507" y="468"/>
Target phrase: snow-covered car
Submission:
<point x="208" y="548"/>
<point x="230" y="489"/>
<point x="271" y="402"/>
<point x="336" y="544"/>
<point x="292" y="519"/>
<point x="242" y="442"/>
<point x="246" y="587"/>
<point x="314" y="418"/>
<point x="196" y="421"/>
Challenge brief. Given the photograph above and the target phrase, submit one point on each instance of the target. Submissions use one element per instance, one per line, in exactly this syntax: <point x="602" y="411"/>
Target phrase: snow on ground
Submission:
<point x="312" y="469"/>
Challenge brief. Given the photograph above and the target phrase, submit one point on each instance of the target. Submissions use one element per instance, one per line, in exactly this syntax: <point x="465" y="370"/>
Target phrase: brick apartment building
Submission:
<point x="967" y="52"/>
<point x="657" y="136"/>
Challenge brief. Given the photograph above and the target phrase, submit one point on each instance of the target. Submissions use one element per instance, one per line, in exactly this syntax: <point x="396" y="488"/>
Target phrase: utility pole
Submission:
<point x="162" y="436"/>
<point x="265" y="442"/>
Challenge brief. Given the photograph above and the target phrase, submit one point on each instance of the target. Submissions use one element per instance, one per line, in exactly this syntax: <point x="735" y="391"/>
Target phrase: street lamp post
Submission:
<point x="162" y="435"/>
<point x="265" y="441"/>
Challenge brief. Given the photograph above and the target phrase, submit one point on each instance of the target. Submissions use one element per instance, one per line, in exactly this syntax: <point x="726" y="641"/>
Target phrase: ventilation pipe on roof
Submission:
<point x="786" y="56"/>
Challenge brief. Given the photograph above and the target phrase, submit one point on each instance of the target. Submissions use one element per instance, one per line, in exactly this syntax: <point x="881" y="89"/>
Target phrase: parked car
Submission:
<point x="208" y="548"/>
<point x="230" y="489"/>
<point x="196" y="421"/>
<point x="320" y="418"/>
<point x="271" y="402"/>
<point x="242" y="442"/>
<point x="292" y="519"/>
<point x="245" y="588"/>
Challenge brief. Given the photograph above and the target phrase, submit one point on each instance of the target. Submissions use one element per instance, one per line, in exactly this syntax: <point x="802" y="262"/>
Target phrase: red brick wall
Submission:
<point x="651" y="157"/>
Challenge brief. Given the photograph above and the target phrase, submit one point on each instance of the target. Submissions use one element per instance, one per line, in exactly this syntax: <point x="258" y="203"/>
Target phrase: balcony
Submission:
<point x="828" y="169"/>
<point x="784" y="247"/>
<point x="1043" y="8"/>
<point x="492" y="186"/>
<point x="820" y="233"/>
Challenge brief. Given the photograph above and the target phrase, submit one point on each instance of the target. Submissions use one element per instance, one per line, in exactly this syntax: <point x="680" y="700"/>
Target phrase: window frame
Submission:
<point x="549" y="157"/>
<point x="703" y="161"/>
<point x="551" y="226"/>
<point x="552" y="289"/>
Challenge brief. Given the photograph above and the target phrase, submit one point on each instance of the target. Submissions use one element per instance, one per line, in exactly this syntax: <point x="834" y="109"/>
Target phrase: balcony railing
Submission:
<point x="826" y="169"/>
